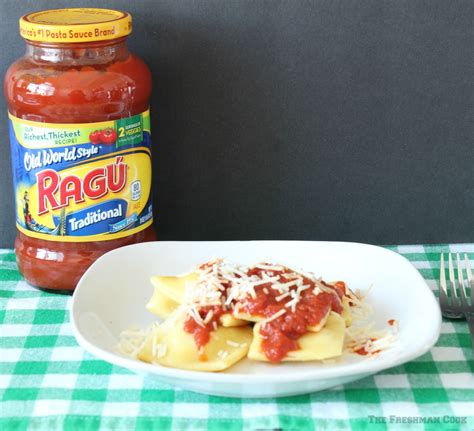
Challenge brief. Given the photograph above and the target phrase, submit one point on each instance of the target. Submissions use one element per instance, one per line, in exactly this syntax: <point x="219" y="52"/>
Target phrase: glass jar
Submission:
<point x="80" y="137"/>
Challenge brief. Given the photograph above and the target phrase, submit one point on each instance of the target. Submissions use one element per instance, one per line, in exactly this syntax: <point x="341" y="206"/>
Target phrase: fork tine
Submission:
<point x="470" y="278"/>
<point x="461" y="281"/>
<point x="452" y="279"/>
<point x="443" y="294"/>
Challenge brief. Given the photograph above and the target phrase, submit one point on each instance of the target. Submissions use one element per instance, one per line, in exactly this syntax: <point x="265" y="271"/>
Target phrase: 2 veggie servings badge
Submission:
<point x="106" y="136"/>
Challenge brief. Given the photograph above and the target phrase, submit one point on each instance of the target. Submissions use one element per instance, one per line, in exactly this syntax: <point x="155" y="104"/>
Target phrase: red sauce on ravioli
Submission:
<point x="280" y="335"/>
<point x="289" y="302"/>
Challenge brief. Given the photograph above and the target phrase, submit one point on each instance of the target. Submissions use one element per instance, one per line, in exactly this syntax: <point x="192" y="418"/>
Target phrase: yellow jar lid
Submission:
<point x="75" y="25"/>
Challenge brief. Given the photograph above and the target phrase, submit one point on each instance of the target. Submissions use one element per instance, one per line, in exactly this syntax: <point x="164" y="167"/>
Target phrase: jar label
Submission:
<point x="82" y="182"/>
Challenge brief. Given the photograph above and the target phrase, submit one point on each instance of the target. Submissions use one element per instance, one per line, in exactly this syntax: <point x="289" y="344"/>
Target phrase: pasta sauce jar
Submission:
<point x="80" y="143"/>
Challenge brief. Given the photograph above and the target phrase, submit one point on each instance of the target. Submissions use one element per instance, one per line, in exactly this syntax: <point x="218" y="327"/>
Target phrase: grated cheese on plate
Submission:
<point x="361" y="336"/>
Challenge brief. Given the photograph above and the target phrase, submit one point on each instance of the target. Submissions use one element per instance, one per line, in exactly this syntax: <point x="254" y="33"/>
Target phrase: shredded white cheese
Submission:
<point x="133" y="340"/>
<point x="361" y="335"/>
<point x="222" y="354"/>
<point x="232" y="343"/>
<point x="268" y="267"/>
<point x="283" y="296"/>
<point x="208" y="317"/>
<point x="275" y="316"/>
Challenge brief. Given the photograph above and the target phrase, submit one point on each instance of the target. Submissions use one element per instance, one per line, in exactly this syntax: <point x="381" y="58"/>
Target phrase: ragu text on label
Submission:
<point x="55" y="192"/>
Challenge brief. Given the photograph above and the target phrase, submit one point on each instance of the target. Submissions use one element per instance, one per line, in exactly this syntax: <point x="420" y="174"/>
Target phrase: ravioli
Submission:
<point x="242" y="315"/>
<point x="325" y="344"/>
<point x="173" y="287"/>
<point x="176" y="348"/>
<point x="345" y="314"/>
<point x="220" y="332"/>
<point x="320" y="325"/>
<point x="169" y="293"/>
<point x="228" y="321"/>
<point x="161" y="305"/>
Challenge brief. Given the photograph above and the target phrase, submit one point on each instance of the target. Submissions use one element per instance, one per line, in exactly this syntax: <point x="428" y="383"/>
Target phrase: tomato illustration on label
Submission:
<point x="94" y="137"/>
<point x="108" y="136"/>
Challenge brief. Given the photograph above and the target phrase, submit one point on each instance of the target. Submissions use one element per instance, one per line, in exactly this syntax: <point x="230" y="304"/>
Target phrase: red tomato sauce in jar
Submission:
<point x="80" y="133"/>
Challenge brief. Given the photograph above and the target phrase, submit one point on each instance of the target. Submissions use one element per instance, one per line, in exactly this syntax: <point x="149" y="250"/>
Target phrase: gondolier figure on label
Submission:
<point x="26" y="211"/>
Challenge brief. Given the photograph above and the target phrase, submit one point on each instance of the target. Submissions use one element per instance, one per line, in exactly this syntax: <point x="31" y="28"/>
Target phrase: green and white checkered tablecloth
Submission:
<point x="48" y="382"/>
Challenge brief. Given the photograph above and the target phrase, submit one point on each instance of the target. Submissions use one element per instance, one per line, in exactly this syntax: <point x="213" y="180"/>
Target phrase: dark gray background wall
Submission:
<point x="340" y="120"/>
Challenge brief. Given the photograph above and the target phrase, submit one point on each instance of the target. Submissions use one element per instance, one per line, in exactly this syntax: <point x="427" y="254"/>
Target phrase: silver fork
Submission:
<point x="456" y="305"/>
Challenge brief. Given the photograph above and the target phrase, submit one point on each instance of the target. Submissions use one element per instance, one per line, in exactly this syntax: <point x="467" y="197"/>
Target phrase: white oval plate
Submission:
<point x="112" y="294"/>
